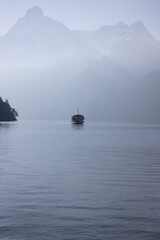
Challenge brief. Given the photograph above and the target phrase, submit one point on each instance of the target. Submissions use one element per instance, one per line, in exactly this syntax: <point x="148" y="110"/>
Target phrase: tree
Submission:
<point x="7" y="113"/>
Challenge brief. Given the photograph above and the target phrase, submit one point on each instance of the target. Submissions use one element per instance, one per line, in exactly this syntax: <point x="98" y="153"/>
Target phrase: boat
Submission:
<point x="77" y="119"/>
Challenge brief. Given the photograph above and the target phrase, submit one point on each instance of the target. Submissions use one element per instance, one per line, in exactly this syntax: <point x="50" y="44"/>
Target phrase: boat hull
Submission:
<point x="77" y="119"/>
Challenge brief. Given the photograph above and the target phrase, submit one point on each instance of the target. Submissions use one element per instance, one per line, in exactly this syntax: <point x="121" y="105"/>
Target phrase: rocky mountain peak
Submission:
<point x="34" y="12"/>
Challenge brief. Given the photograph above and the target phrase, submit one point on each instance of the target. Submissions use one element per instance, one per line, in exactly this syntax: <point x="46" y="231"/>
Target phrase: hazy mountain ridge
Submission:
<point x="33" y="34"/>
<point x="116" y="95"/>
<point x="43" y="37"/>
<point x="107" y="35"/>
<point x="38" y="39"/>
<point x="44" y="60"/>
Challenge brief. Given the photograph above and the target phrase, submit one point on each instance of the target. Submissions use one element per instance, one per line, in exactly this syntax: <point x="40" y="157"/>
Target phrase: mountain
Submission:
<point x="36" y="31"/>
<point x="37" y="39"/>
<point x="110" y="90"/>
<point x="40" y="40"/>
<point x="47" y="70"/>
<point x="107" y="35"/>
<point x="139" y="52"/>
<point x="130" y="45"/>
<point x="114" y="94"/>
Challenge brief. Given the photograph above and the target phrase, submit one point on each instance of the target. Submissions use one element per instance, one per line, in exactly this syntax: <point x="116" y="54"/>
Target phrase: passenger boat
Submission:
<point x="77" y="119"/>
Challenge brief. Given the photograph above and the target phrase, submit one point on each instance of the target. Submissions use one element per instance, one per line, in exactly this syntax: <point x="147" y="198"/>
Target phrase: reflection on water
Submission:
<point x="99" y="183"/>
<point x="77" y="126"/>
<point x="6" y="125"/>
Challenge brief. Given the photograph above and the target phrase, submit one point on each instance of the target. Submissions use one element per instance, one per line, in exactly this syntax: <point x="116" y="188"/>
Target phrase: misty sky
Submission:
<point x="85" y="14"/>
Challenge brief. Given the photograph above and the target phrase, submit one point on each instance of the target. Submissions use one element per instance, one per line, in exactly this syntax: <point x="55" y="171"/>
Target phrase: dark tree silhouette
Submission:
<point x="7" y="113"/>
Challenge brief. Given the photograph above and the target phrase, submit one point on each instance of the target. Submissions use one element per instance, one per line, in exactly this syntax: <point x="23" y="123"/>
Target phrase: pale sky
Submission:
<point x="85" y="14"/>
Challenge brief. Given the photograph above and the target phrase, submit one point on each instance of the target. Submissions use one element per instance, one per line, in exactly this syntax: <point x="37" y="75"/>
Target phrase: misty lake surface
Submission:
<point x="64" y="182"/>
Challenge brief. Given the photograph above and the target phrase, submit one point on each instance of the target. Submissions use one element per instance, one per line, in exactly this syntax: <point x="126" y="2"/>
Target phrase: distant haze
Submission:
<point x="112" y="73"/>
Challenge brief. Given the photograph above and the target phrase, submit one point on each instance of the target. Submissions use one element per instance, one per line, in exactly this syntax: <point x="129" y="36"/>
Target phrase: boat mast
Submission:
<point x="78" y="110"/>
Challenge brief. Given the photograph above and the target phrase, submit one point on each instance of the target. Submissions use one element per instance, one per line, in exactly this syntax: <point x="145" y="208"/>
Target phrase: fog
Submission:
<point x="111" y="73"/>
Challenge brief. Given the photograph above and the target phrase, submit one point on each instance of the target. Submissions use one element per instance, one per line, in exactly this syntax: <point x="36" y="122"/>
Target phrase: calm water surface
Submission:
<point x="62" y="182"/>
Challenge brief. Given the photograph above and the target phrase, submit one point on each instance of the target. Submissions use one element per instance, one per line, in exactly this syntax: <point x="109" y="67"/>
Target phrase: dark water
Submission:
<point x="59" y="182"/>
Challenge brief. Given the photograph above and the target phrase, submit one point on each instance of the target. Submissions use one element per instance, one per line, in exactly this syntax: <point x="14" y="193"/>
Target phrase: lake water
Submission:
<point x="63" y="182"/>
